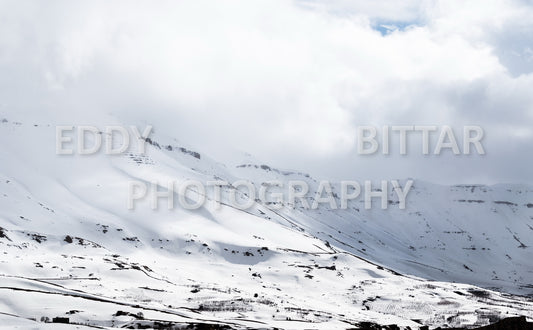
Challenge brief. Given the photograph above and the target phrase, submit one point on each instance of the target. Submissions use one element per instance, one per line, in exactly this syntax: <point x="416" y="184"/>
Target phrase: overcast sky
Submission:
<point x="287" y="81"/>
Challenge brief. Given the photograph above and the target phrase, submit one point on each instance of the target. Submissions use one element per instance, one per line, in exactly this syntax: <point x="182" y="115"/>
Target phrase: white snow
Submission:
<point x="71" y="248"/>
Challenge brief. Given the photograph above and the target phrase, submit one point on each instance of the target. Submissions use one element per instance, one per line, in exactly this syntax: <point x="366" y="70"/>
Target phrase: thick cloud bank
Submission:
<point x="286" y="81"/>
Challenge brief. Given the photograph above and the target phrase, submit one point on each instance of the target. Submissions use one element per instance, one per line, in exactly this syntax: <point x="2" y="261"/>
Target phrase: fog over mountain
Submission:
<point x="287" y="81"/>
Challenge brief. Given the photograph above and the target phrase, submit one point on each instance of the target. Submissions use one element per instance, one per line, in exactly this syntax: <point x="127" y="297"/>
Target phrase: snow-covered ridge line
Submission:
<point x="64" y="220"/>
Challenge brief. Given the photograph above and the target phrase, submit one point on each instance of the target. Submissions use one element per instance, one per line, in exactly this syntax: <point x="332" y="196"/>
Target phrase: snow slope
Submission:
<point x="70" y="247"/>
<point x="474" y="234"/>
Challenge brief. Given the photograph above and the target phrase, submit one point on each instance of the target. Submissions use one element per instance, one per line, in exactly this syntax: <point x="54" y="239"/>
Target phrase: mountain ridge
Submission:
<point x="64" y="221"/>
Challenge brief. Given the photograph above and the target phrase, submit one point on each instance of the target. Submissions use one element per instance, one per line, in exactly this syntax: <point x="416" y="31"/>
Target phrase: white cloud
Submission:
<point x="286" y="81"/>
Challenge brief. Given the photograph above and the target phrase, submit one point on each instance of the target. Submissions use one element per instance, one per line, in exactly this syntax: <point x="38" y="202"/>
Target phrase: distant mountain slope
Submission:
<point x="475" y="234"/>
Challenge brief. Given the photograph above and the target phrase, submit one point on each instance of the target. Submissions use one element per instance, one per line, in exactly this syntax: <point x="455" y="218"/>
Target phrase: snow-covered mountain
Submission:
<point x="71" y="248"/>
